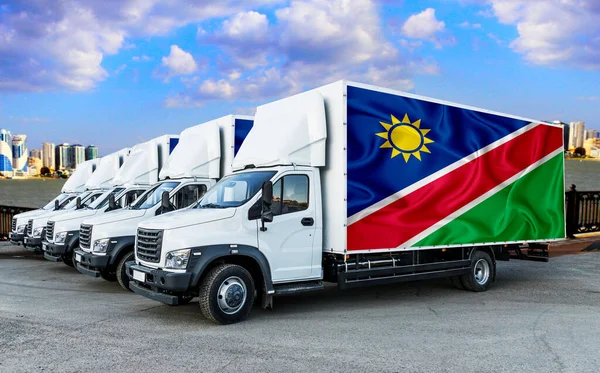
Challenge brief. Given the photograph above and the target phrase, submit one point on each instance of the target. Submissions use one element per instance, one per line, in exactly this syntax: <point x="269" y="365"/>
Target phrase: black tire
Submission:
<point x="108" y="275"/>
<point x="69" y="259"/>
<point x="228" y="278"/>
<point x="482" y="272"/>
<point x="121" y="272"/>
<point x="457" y="283"/>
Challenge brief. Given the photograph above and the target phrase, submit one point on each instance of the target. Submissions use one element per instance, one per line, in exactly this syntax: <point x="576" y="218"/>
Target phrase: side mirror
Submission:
<point x="111" y="202"/>
<point x="56" y="205"/>
<point x="266" y="215"/>
<point x="78" y="202"/>
<point x="164" y="201"/>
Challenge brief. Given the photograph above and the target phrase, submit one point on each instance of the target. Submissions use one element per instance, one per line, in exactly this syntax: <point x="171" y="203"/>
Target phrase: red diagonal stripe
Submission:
<point x="403" y="219"/>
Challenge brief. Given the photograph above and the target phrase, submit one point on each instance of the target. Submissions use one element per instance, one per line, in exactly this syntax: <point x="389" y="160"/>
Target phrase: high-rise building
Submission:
<point x="62" y="156"/>
<point x="36" y="153"/>
<point x="91" y="152"/>
<point x="78" y="155"/>
<point x="48" y="155"/>
<point x="20" y="153"/>
<point x="576" y="134"/>
<point x="565" y="133"/>
<point x="5" y="151"/>
<point x="591" y="134"/>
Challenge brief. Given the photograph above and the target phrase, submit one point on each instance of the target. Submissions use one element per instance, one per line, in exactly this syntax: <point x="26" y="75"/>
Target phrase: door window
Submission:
<point x="290" y="194"/>
<point x="129" y="197"/>
<point x="187" y="195"/>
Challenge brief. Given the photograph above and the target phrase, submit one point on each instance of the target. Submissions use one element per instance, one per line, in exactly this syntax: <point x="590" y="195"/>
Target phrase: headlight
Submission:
<point x="177" y="259"/>
<point x="100" y="246"/>
<point x="21" y="228"/>
<point x="37" y="232"/>
<point x="60" y="237"/>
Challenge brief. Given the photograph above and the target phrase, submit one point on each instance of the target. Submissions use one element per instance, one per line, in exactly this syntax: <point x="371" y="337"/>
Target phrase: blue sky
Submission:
<point x="117" y="72"/>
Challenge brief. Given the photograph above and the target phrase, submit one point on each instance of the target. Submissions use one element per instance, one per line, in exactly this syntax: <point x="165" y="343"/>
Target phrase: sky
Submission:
<point x="118" y="72"/>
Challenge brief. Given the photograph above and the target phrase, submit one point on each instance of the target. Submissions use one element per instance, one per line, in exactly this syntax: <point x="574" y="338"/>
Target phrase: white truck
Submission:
<point x="358" y="185"/>
<point x="73" y="187"/>
<point x="94" y="187"/>
<point x="203" y="155"/>
<point x="139" y="170"/>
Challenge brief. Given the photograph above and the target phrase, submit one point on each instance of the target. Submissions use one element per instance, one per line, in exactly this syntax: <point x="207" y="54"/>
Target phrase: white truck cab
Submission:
<point x="93" y="187"/>
<point x="204" y="153"/>
<point x="121" y="187"/>
<point x="73" y="187"/>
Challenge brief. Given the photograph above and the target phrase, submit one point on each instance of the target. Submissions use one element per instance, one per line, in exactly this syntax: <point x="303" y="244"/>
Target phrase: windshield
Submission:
<point x="154" y="195"/>
<point x="102" y="201"/>
<point x="60" y="199"/>
<point x="234" y="190"/>
<point x="73" y="201"/>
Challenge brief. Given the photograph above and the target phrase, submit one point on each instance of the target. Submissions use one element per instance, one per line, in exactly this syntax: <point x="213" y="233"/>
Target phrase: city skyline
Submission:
<point x="16" y="156"/>
<point x="122" y="76"/>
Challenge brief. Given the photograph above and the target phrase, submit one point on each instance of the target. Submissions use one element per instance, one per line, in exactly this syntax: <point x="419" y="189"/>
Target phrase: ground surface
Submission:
<point x="538" y="317"/>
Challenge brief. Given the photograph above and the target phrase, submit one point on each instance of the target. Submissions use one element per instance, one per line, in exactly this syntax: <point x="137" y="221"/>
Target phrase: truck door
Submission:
<point x="288" y="241"/>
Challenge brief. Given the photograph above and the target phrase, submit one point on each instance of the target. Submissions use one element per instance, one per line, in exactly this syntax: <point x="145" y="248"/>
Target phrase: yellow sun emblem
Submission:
<point x="405" y="138"/>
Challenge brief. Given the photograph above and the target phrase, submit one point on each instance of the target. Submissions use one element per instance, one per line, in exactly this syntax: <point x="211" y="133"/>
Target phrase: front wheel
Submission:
<point x="121" y="272"/>
<point x="69" y="259"/>
<point x="226" y="294"/>
<point x="482" y="272"/>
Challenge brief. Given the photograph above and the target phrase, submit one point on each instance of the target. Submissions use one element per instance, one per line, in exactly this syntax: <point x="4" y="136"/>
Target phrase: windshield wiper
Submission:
<point x="211" y="206"/>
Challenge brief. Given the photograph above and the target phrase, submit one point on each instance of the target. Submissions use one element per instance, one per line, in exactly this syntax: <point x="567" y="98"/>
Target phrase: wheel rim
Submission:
<point x="481" y="271"/>
<point x="231" y="296"/>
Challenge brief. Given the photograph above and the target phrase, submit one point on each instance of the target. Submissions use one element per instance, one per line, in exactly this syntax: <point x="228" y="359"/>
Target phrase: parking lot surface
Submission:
<point x="538" y="317"/>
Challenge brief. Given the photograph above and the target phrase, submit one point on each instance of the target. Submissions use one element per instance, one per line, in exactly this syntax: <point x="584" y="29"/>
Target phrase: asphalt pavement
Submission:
<point x="538" y="317"/>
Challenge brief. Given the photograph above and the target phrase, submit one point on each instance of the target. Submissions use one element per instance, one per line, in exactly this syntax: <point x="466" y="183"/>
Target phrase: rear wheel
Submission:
<point x="227" y="294"/>
<point x="481" y="274"/>
<point x="457" y="283"/>
<point x="121" y="272"/>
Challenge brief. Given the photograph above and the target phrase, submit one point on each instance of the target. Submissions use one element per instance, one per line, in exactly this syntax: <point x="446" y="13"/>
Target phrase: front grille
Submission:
<point x="149" y="243"/>
<point x="50" y="231"/>
<point x="85" y="236"/>
<point x="30" y="227"/>
<point x="14" y="225"/>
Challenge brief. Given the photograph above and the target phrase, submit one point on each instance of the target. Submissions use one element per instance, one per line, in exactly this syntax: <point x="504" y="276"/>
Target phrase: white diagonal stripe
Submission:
<point x="419" y="184"/>
<point x="448" y="219"/>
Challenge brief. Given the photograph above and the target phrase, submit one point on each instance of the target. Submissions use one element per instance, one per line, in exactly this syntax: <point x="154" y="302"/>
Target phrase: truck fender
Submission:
<point x="118" y="245"/>
<point x="203" y="256"/>
<point x="72" y="241"/>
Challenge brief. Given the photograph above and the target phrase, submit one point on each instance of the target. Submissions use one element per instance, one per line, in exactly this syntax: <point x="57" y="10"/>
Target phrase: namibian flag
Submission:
<point x="425" y="174"/>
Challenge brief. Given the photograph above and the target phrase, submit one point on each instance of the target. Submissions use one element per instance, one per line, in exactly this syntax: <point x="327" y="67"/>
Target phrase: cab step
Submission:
<point x="298" y="287"/>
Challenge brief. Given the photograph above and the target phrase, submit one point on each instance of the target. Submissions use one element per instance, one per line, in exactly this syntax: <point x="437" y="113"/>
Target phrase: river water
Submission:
<point x="36" y="192"/>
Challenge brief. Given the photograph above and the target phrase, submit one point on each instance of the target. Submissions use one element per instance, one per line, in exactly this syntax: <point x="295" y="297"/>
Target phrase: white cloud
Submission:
<point x="426" y="26"/>
<point x="554" y="32"/>
<point x="142" y="58"/>
<point x="69" y="39"/>
<point x="120" y="69"/>
<point x="589" y="98"/>
<point x="307" y="44"/>
<point x="469" y="25"/>
<point x="179" y="62"/>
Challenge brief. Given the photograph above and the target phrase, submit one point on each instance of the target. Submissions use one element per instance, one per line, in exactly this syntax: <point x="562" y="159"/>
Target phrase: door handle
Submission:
<point x="308" y="222"/>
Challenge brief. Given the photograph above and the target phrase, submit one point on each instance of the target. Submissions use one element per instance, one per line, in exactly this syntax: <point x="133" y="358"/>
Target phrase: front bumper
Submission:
<point x="90" y="264"/>
<point x="32" y="243"/>
<point x="159" y="285"/>
<point x="16" y="238"/>
<point x="54" y="252"/>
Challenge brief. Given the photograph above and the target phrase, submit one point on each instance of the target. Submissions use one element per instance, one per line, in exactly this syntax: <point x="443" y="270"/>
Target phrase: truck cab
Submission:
<point x="139" y="170"/>
<point x="203" y="154"/>
<point x="72" y="188"/>
<point x="36" y="226"/>
<point x="62" y="232"/>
